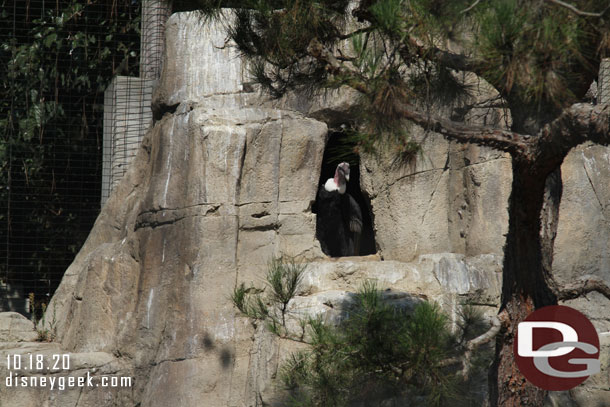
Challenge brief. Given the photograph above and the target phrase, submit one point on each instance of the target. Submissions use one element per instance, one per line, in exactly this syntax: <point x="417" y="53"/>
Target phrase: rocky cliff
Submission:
<point x="223" y="181"/>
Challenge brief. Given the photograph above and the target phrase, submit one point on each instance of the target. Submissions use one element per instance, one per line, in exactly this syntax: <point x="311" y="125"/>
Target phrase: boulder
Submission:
<point x="14" y="327"/>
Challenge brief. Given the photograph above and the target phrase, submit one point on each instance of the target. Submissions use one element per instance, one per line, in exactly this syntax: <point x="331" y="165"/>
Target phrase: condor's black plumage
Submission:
<point x="339" y="217"/>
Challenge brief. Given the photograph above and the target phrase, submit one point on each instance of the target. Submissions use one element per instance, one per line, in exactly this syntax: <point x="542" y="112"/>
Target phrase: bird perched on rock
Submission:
<point x="339" y="217"/>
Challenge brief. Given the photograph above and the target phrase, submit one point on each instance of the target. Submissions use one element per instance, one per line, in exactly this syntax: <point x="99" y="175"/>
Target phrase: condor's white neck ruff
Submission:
<point x="331" y="185"/>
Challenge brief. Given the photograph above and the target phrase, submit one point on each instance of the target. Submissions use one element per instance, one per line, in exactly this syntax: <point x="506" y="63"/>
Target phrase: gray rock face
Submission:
<point x="452" y="198"/>
<point x="14" y="327"/>
<point x="158" y="292"/>
<point x="583" y="237"/>
<point x="199" y="67"/>
<point x="222" y="182"/>
<point x="448" y="279"/>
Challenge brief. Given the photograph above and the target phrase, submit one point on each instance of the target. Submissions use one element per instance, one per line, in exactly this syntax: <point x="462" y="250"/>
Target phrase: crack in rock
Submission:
<point x="157" y="217"/>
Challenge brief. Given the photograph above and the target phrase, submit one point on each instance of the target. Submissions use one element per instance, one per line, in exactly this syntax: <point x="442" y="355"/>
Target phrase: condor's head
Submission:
<point x="340" y="180"/>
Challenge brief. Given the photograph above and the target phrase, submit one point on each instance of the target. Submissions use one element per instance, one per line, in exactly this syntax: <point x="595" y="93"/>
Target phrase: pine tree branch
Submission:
<point x="583" y="287"/>
<point x="504" y="140"/>
<point x="458" y="62"/>
<point x="451" y="60"/>
<point x="577" y="124"/>
<point x="518" y="145"/>
<point x="318" y="51"/>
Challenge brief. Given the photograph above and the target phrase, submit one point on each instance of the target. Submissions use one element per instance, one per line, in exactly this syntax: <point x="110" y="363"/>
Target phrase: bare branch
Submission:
<point x="504" y="140"/>
<point x="496" y="102"/>
<point x="473" y="344"/>
<point x="577" y="11"/>
<point x="317" y="50"/>
<point x="451" y="60"/>
<point x="342" y="57"/>
<point x="583" y="287"/>
<point x="577" y="124"/>
<point x="516" y="144"/>
<point x="354" y="33"/>
<point x="473" y="5"/>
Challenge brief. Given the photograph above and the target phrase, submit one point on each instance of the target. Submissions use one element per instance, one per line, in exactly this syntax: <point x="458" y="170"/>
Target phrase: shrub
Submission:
<point x="380" y="352"/>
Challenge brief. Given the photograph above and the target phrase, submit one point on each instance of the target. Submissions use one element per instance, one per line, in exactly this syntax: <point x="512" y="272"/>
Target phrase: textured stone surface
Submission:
<point x="452" y="198"/>
<point x="14" y="327"/>
<point x="449" y="279"/>
<point x="582" y="246"/>
<point x="334" y="107"/>
<point x="159" y="295"/>
<point x="199" y="66"/>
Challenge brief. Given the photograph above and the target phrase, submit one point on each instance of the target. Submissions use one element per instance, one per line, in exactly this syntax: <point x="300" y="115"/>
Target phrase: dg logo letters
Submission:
<point x="557" y="348"/>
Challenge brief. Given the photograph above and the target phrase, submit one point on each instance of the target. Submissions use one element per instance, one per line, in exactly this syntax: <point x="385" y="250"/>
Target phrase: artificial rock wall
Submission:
<point x="223" y="181"/>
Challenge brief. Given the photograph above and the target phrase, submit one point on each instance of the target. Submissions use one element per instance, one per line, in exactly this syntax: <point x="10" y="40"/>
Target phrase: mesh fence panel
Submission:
<point x="127" y="100"/>
<point x="75" y="102"/>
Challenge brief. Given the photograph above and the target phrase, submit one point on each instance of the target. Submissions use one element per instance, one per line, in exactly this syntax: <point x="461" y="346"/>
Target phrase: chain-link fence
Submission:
<point x="76" y="86"/>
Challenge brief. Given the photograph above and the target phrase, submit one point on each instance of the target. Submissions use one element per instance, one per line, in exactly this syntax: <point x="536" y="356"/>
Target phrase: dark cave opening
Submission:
<point x="339" y="149"/>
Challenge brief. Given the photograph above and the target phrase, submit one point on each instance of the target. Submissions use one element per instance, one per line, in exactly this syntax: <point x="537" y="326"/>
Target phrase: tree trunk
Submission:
<point x="550" y="221"/>
<point x="524" y="285"/>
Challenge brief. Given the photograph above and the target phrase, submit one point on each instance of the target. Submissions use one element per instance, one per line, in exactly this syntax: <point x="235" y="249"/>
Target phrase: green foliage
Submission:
<point x="388" y="14"/>
<point x="538" y="55"/>
<point x="277" y="41"/>
<point x="470" y="322"/>
<point x="271" y="304"/>
<point x="378" y="353"/>
<point x="46" y="329"/>
<point x="56" y="64"/>
<point x="284" y="278"/>
<point x="239" y="298"/>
